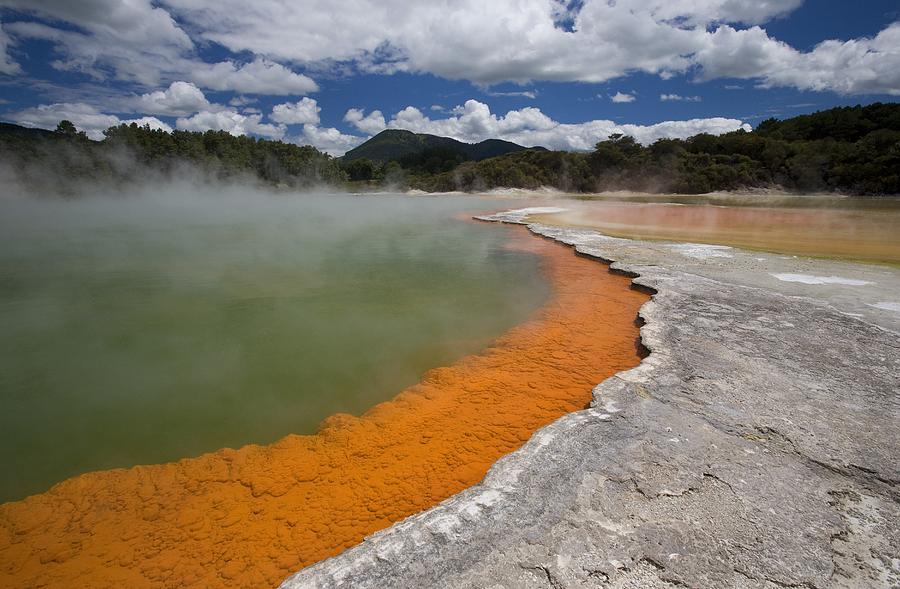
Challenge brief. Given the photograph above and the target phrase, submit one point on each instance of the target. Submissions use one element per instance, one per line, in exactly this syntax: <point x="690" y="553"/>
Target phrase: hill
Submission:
<point x="11" y="130"/>
<point x="845" y="124"/>
<point x="395" y="145"/>
<point x="852" y="150"/>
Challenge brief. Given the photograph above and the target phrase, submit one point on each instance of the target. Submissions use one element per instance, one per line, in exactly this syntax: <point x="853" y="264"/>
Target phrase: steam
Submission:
<point x="68" y="170"/>
<point x="178" y="317"/>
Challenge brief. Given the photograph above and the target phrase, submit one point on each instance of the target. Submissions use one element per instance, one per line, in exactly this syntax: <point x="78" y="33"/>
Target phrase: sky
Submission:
<point x="563" y="74"/>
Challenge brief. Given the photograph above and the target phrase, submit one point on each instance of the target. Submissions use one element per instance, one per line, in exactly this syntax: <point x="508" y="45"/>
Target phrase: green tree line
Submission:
<point x="132" y="153"/>
<point x="854" y="150"/>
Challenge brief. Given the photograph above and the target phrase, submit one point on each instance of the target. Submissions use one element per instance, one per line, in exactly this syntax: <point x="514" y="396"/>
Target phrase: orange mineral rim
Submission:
<point x="252" y="516"/>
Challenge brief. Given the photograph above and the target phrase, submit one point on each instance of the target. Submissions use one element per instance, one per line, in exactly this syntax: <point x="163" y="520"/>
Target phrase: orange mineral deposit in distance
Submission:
<point x="867" y="233"/>
<point x="250" y="517"/>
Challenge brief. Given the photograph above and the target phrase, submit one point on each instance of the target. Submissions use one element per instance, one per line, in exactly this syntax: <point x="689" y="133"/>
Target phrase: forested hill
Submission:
<point x="396" y="144"/>
<point x="62" y="161"/>
<point x="844" y="124"/>
<point x="853" y="150"/>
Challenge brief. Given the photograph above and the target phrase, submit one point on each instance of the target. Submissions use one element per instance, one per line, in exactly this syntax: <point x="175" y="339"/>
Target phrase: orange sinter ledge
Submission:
<point x="252" y="516"/>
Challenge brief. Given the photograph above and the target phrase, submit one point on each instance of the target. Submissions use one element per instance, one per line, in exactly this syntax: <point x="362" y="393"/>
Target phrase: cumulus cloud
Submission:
<point x="135" y="39"/>
<point x="84" y="116"/>
<point x="305" y="111"/>
<point x="704" y="12"/>
<point x="133" y="23"/>
<point x="260" y="76"/>
<point x="484" y="42"/>
<point x="471" y="122"/>
<point x="327" y="139"/>
<point x="621" y="97"/>
<point x="232" y="122"/>
<point x="859" y="66"/>
<point x="474" y="121"/>
<point x="678" y="98"/>
<point x="512" y="40"/>
<point x="93" y="122"/>
<point x="139" y="42"/>
<point x="8" y="65"/>
<point x="181" y="98"/>
<point x="151" y="122"/>
<point x="370" y="124"/>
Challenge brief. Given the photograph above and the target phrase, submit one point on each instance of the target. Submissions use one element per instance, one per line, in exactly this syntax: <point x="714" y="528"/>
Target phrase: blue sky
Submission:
<point x="559" y="73"/>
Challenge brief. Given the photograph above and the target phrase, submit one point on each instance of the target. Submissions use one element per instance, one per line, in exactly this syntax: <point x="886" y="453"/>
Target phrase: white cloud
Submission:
<point x="93" y="122"/>
<point x="532" y="94"/>
<point x="370" y="124"/>
<point x="84" y="116"/>
<point x="231" y="121"/>
<point x="485" y="42"/>
<point x="8" y="65"/>
<point x="134" y="39"/>
<point x="474" y="121"/>
<point x="524" y="119"/>
<point x="329" y="139"/>
<point x="678" y="98"/>
<point x="142" y="43"/>
<point x="181" y="98"/>
<point x="470" y="122"/>
<point x="132" y="23"/>
<point x="859" y="66"/>
<point x="621" y="97"/>
<point x="242" y="101"/>
<point x="151" y="122"/>
<point x="704" y="12"/>
<point x="260" y="76"/>
<point x="305" y="111"/>
<point x="518" y="41"/>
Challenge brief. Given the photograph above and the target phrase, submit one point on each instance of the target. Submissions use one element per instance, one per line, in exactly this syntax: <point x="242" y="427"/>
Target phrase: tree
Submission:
<point x="67" y="128"/>
<point x="361" y="169"/>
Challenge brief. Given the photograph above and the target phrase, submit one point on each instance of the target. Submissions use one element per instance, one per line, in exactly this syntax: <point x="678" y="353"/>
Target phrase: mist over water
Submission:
<point x="148" y="327"/>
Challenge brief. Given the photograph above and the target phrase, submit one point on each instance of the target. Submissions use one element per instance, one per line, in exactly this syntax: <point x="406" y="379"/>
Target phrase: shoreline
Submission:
<point x="755" y="447"/>
<point x="750" y="198"/>
<point x="249" y="517"/>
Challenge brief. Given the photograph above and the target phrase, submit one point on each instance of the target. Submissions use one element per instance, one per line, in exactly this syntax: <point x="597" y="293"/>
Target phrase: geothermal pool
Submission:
<point x="250" y="516"/>
<point x="154" y="327"/>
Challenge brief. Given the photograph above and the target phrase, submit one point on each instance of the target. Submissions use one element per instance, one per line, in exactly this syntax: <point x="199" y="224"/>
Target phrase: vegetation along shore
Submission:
<point x="853" y="150"/>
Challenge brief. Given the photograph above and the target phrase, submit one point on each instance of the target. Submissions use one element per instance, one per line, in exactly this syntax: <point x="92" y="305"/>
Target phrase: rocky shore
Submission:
<point x="755" y="447"/>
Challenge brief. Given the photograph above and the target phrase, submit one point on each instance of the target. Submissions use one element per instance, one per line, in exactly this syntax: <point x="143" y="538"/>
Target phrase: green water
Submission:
<point x="146" y="329"/>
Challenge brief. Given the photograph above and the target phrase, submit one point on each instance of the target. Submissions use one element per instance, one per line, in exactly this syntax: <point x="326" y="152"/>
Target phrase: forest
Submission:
<point x="65" y="160"/>
<point x="853" y="150"/>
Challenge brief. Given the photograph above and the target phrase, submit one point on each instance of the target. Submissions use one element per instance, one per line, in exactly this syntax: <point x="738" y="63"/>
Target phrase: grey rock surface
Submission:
<point x="758" y="446"/>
